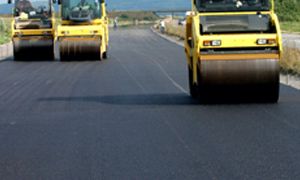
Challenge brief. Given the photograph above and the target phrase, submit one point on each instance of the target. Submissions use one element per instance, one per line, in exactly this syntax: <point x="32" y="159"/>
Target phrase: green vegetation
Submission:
<point x="288" y="13"/>
<point x="129" y="18"/>
<point x="4" y="29"/>
<point x="290" y="26"/>
<point x="290" y="62"/>
<point x="288" y="10"/>
<point x="133" y="15"/>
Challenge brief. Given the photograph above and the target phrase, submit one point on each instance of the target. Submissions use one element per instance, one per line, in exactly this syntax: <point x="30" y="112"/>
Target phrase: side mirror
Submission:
<point x="9" y="1"/>
<point x="58" y="1"/>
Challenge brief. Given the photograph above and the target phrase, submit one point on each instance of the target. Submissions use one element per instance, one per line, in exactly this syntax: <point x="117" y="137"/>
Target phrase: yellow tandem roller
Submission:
<point x="233" y="50"/>
<point x="33" y="29"/>
<point x="83" y="32"/>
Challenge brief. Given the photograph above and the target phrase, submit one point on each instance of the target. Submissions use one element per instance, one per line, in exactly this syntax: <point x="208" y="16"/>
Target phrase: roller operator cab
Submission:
<point x="33" y="29"/>
<point x="233" y="49"/>
<point x="83" y="32"/>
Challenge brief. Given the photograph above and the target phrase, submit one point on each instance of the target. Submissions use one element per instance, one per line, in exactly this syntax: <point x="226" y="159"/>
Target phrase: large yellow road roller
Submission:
<point x="33" y="29"/>
<point x="233" y="48"/>
<point x="83" y="32"/>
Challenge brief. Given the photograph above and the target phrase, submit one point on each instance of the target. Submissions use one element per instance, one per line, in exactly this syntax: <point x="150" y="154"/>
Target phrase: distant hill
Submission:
<point x="130" y="5"/>
<point x="148" y="4"/>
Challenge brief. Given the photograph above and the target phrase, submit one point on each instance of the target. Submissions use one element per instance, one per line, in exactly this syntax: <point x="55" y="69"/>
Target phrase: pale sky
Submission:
<point x="5" y="1"/>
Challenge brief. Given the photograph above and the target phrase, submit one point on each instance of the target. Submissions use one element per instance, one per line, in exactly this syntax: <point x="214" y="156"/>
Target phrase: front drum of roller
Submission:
<point x="80" y="48"/>
<point x="239" y="80"/>
<point x="33" y="48"/>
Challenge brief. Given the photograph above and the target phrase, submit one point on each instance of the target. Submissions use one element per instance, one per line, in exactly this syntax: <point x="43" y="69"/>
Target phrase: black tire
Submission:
<point x="200" y="91"/>
<point x="104" y="55"/>
<point x="192" y="85"/>
<point x="21" y="56"/>
<point x="17" y="57"/>
<point x="203" y="93"/>
<point x="272" y="95"/>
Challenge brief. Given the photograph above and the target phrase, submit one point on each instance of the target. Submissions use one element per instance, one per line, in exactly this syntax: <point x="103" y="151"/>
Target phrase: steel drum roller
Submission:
<point x="256" y="80"/>
<point x="80" y="48"/>
<point x="33" y="48"/>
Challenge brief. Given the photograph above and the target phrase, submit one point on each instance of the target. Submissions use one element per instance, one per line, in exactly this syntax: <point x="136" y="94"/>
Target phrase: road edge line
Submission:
<point x="167" y="37"/>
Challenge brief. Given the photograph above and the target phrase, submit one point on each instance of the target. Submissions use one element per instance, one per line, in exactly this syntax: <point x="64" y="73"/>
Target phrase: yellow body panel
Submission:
<point x="33" y="32"/>
<point x="33" y="43"/>
<point x="96" y="28"/>
<point x="194" y="40"/>
<point x="239" y="40"/>
<point x="82" y="30"/>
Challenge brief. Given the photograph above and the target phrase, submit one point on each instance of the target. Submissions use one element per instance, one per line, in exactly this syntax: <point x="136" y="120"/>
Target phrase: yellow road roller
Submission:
<point x="83" y="31"/>
<point x="33" y="29"/>
<point x="233" y="48"/>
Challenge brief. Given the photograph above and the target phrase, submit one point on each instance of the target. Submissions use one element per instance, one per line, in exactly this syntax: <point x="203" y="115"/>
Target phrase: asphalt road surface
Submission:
<point x="130" y="117"/>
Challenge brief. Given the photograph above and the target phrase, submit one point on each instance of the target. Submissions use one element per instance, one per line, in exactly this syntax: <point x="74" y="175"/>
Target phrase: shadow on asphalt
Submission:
<point x="147" y="99"/>
<point x="11" y="58"/>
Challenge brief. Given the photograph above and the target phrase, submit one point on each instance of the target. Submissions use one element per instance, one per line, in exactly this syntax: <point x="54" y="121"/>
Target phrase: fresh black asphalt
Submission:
<point x="130" y="117"/>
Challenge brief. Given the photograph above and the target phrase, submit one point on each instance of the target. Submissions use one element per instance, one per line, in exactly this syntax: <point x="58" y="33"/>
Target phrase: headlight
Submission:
<point x="216" y="43"/>
<point x="262" y="41"/>
<point x="212" y="43"/>
<point x="266" y="41"/>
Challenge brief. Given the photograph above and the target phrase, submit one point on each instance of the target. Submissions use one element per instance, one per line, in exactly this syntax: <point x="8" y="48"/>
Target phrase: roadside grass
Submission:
<point x="290" y="26"/>
<point x="288" y="10"/>
<point x="175" y="30"/>
<point x="127" y="23"/>
<point x="290" y="61"/>
<point x="129" y="18"/>
<point x="5" y="29"/>
<point x="133" y="15"/>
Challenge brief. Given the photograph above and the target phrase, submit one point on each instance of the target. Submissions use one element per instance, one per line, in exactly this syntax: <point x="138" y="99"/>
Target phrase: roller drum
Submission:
<point x="80" y="48"/>
<point x="33" y="48"/>
<point x="236" y="80"/>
